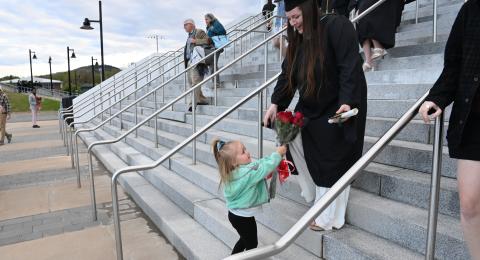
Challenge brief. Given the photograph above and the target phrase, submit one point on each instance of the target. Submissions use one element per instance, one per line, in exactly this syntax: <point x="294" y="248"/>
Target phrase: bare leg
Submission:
<point x="368" y="55"/>
<point x="377" y="44"/>
<point x="469" y="191"/>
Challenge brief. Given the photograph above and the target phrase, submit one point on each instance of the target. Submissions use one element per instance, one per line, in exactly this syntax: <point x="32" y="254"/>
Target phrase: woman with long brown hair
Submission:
<point x="323" y="64"/>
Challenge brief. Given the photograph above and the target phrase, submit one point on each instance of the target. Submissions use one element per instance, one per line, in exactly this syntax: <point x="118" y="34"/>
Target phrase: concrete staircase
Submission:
<point x="387" y="210"/>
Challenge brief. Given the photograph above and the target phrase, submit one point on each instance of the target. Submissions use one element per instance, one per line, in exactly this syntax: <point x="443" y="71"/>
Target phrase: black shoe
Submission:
<point x="9" y="138"/>
<point x="36" y="126"/>
<point x="202" y="103"/>
<point x="190" y="109"/>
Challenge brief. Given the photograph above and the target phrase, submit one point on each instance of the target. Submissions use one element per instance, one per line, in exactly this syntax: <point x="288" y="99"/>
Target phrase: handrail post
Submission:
<point x="194" y="127"/>
<point x="215" y="78"/>
<point x="92" y="183"/>
<point x="79" y="182"/>
<point x="156" y="119"/>
<point x="116" y="218"/>
<point x="435" y="188"/>
<point x="435" y="9"/>
<point x="416" y="10"/>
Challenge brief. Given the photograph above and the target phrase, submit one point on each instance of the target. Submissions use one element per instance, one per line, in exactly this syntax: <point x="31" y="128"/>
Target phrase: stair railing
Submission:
<point x="104" y="89"/>
<point x="73" y="146"/>
<point x="180" y="50"/>
<point x="118" y="79"/>
<point x="68" y="142"/>
<point x="154" y="115"/>
<point x="148" y="74"/>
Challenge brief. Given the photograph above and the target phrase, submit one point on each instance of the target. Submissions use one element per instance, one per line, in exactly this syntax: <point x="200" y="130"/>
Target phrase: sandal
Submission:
<point x="313" y="226"/>
<point x="378" y="53"/>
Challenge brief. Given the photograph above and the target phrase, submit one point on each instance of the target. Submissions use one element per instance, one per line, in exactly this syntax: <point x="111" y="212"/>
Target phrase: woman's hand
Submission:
<point x="282" y="150"/>
<point x="270" y="115"/>
<point x="427" y="106"/>
<point x="343" y="108"/>
<point x="193" y="40"/>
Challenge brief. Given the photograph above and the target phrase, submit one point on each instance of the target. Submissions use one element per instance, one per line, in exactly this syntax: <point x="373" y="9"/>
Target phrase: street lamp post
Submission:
<point x="93" y="71"/>
<point x="86" y="26"/>
<point x="34" y="57"/>
<point x="51" y="79"/>
<point x="69" y="77"/>
<point x="156" y="37"/>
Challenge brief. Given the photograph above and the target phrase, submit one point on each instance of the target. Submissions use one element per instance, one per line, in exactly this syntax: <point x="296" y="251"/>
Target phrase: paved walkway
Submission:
<point x="43" y="215"/>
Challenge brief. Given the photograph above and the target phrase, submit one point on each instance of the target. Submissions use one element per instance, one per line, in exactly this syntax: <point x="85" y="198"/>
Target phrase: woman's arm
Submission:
<point x="281" y="96"/>
<point x="345" y="45"/>
<point x="443" y="91"/>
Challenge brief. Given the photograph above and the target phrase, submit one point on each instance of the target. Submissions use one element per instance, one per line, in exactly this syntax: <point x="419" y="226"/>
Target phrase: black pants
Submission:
<point x="247" y="229"/>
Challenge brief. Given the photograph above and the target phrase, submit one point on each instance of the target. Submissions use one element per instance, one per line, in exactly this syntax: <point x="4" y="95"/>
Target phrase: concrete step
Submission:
<point x="405" y="225"/>
<point x="199" y="168"/>
<point x="187" y="195"/>
<point x="409" y="187"/>
<point x="404" y="76"/>
<point x="353" y="243"/>
<point x="410" y="155"/>
<point x="413" y="156"/>
<point x="185" y="234"/>
<point x="387" y="181"/>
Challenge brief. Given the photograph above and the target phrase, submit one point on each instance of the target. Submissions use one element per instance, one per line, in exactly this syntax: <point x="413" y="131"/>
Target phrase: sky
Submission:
<point x="47" y="27"/>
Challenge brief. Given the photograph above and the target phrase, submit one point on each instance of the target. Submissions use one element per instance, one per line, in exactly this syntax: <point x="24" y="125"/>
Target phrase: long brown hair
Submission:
<point x="314" y="41"/>
<point x="225" y="156"/>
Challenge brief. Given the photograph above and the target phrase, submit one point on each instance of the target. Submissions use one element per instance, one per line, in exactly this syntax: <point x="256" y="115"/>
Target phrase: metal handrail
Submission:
<point x="191" y="138"/>
<point x="318" y="207"/>
<point x="349" y="177"/>
<point x="70" y="109"/>
<point x="154" y="115"/>
<point x="228" y="29"/>
<point x="65" y="116"/>
<point x="133" y="71"/>
<point x="175" y="57"/>
<point x="103" y="89"/>
<point x="154" y="92"/>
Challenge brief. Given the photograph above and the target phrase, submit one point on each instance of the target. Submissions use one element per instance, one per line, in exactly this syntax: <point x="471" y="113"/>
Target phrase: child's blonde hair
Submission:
<point x="225" y="157"/>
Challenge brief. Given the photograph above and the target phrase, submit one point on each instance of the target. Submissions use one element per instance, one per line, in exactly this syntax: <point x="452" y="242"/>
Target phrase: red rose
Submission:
<point x="298" y="119"/>
<point x="285" y="117"/>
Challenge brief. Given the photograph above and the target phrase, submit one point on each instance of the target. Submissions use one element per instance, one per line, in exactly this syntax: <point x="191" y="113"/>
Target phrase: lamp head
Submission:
<point x="73" y="55"/>
<point x="86" y="25"/>
<point x="34" y="56"/>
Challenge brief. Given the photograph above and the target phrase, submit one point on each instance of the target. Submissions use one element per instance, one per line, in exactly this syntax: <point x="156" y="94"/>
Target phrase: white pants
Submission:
<point x="334" y="215"/>
<point x="34" y="114"/>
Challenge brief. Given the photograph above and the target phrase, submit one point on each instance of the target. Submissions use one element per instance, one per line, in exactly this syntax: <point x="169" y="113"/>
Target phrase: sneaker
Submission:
<point x="36" y="126"/>
<point x="9" y="138"/>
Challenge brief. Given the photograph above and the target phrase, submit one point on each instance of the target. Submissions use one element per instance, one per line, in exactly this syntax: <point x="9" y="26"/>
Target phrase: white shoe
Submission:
<point x="367" y="67"/>
<point x="378" y="53"/>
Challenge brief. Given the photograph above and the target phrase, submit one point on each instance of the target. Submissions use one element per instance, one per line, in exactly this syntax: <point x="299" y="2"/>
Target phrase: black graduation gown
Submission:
<point x="460" y="79"/>
<point x="330" y="149"/>
<point x="381" y="24"/>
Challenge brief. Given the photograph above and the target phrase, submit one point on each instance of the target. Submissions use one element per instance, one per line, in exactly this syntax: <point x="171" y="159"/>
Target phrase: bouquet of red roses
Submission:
<point x="287" y="126"/>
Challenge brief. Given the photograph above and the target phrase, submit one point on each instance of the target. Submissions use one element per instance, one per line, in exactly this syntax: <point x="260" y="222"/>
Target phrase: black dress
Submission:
<point x="330" y="149"/>
<point x="381" y="24"/>
<point x="460" y="83"/>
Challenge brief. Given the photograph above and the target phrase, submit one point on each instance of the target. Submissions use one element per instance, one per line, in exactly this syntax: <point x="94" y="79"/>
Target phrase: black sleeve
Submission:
<point x="343" y="39"/>
<point x="443" y="91"/>
<point x="281" y="95"/>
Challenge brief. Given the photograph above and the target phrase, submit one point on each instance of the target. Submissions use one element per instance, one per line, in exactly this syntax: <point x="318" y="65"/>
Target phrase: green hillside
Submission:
<point x="82" y="76"/>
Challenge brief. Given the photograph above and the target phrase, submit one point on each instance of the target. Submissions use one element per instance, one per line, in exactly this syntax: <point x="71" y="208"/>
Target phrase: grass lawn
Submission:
<point x="19" y="103"/>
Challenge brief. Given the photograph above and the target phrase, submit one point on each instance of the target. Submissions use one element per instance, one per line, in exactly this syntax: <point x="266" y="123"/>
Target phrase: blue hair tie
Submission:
<point x="220" y="144"/>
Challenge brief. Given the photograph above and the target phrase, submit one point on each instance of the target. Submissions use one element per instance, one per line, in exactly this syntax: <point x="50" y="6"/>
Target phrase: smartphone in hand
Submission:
<point x="342" y="117"/>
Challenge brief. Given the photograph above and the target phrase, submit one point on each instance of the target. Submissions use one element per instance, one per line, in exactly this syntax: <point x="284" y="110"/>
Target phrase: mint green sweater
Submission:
<point x="247" y="187"/>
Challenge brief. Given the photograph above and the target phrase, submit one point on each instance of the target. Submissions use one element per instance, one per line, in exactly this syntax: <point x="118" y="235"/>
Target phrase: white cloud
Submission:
<point x="48" y="27"/>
